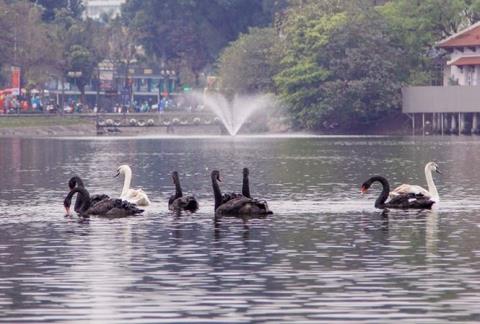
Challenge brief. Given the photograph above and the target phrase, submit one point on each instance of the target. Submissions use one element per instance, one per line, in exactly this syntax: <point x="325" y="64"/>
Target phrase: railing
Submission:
<point x="156" y="119"/>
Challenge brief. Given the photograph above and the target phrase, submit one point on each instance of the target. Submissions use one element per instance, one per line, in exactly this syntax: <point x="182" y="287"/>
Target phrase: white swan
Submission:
<point x="136" y="196"/>
<point x="431" y="193"/>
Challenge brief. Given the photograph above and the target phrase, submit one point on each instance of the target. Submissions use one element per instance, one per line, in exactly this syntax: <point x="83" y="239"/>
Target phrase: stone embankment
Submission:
<point x="49" y="131"/>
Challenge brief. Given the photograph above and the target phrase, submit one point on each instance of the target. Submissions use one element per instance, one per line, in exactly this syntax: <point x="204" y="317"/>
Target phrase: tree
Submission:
<point x="247" y="65"/>
<point x="191" y="33"/>
<point x="74" y="7"/>
<point x="340" y="67"/>
<point x="79" y="46"/>
<point x="123" y="48"/>
<point x="419" y="25"/>
<point x="24" y="41"/>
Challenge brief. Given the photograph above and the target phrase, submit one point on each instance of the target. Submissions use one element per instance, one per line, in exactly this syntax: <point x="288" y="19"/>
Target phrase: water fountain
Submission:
<point x="234" y="113"/>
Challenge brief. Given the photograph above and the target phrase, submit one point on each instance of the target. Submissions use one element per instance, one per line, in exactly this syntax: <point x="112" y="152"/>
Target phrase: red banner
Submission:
<point x="16" y="77"/>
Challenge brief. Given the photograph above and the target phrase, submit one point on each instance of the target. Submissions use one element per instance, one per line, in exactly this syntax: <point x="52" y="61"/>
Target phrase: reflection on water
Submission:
<point x="326" y="255"/>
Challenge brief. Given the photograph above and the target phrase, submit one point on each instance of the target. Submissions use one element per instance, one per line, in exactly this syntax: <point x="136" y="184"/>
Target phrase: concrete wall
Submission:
<point x="441" y="99"/>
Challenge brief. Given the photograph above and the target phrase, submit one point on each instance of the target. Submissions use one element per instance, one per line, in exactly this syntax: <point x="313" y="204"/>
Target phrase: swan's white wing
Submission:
<point x="406" y="189"/>
<point x="137" y="196"/>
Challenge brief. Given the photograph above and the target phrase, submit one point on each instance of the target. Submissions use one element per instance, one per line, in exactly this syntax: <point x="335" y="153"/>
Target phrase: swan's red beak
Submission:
<point x="67" y="211"/>
<point x="363" y="190"/>
<point x="220" y="179"/>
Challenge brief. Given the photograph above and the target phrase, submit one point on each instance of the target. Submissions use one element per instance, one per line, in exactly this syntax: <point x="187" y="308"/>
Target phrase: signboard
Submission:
<point x="106" y="79"/>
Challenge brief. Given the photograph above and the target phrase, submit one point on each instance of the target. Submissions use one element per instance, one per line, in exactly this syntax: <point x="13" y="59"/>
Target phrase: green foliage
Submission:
<point x="419" y="25"/>
<point x="248" y="64"/>
<point x="341" y="67"/>
<point x="79" y="47"/>
<point x="74" y="7"/>
<point x="299" y="88"/>
<point x="191" y="33"/>
<point x="24" y="41"/>
<point x="344" y="62"/>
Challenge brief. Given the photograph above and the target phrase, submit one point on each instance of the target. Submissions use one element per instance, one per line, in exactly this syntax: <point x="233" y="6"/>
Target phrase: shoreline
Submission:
<point x="73" y="126"/>
<point x="49" y="131"/>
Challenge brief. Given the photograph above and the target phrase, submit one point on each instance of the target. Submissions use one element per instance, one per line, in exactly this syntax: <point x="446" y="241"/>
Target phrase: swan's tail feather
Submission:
<point x="128" y="206"/>
<point x="191" y="204"/>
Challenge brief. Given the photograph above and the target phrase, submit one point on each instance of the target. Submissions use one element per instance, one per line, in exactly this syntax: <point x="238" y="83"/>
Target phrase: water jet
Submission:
<point x="235" y="112"/>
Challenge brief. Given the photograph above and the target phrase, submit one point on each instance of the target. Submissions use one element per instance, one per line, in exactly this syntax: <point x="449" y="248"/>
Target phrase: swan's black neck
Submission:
<point x="380" y="202"/>
<point x="84" y="198"/>
<point x="76" y="182"/>
<point x="216" y="192"/>
<point x="178" y="187"/>
<point x="246" y="185"/>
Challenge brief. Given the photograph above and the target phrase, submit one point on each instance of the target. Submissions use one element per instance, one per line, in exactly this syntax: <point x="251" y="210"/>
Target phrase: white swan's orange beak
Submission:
<point x="118" y="173"/>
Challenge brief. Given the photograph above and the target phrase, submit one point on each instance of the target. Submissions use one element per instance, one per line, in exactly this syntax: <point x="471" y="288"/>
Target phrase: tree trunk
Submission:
<point x="62" y="98"/>
<point x="81" y="87"/>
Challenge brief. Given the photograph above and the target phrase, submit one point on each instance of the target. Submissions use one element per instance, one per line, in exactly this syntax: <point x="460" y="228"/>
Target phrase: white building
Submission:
<point x="96" y="8"/>
<point x="453" y="108"/>
<point x="463" y="68"/>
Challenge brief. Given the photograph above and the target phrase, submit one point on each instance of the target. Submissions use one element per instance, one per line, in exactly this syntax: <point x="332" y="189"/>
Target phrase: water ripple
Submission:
<point x="326" y="255"/>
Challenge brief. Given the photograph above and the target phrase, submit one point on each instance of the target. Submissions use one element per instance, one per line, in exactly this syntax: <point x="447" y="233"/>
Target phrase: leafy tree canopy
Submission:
<point x="248" y="64"/>
<point x="341" y="66"/>
<point x="75" y="8"/>
<point x="193" y="32"/>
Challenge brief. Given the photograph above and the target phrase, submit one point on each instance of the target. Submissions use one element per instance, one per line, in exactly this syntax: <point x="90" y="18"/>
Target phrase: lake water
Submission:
<point x="327" y="255"/>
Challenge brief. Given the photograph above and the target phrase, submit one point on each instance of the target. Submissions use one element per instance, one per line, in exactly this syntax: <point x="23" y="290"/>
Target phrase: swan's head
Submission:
<point x="365" y="186"/>
<point x="246" y="172"/>
<point x="67" y="203"/>
<point x="216" y="175"/>
<point x="432" y="166"/>
<point x="175" y="177"/>
<point x="74" y="181"/>
<point x="122" y="170"/>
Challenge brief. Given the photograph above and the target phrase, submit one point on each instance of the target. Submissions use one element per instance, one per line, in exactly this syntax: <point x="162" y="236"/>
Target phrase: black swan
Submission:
<point x="245" y="189"/>
<point x="404" y="201"/>
<point x="240" y="206"/>
<point x="106" y="207"/>
<point x="179" y="202"/>
<point x="76" y="181"/>
<point x="246" y="185"/>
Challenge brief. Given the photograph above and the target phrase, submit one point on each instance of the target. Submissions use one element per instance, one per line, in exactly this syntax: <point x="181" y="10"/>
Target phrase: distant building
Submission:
<point x="453" y="108"/>
<point x="463" y="68"/>
<point x="95" y="9"/>
<point x="118" y="86"/>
